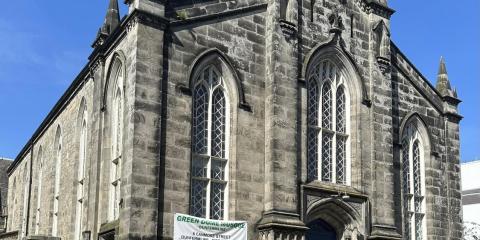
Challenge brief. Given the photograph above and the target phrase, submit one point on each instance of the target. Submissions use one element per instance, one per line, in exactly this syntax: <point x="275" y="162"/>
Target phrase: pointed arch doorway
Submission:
<point x="333" y="218"/>
<point x="320" y="230"/>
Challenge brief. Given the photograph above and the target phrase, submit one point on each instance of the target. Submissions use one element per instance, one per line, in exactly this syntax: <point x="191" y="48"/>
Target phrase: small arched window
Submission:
<point x="328" y="131"/>
<point x="81" y="174"/>
<point x="413" y="184"/>
<point x="12" y="200"/>
<point x="39" y="190"/>
<point x="116" y="140"/>
<point x="209" y="145"/>
<point x="58" y="168"/>
<point x="26" y="178"/>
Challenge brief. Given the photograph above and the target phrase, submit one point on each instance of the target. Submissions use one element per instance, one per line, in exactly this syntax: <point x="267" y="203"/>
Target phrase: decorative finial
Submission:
<point x="336" y="21"/>
<point x="442" y="69"/>
<point x="443" y="83"/>
<point x="382" y="46"/>
<point x="112" y="20"/>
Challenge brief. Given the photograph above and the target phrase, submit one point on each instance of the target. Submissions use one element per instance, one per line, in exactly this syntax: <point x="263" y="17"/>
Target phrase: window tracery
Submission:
<point x="413" y="185"/>
<point x="81" y="176"/>
<point x="116" y="141"/>
<point x="209" y="146"/>
<point x="39" y="190"/>
<point x="328" y="130"/>
<point x="56" y="195"/>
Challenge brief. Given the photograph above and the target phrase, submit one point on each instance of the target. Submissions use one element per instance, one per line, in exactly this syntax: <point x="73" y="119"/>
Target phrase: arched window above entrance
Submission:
<point x="328" y="137"/>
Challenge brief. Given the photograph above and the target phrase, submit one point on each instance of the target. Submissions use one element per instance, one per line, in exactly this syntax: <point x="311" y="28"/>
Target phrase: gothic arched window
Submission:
<point x="26" y="178"/>
<point x="328" y="125"/>
<point x="39" y="190"/>
<point x="82" y="156"/>
<point x="58" y="168"/>
<point x="116" y="141"/>
<point x="210" y="124"/>
<point x="413" y="185"/>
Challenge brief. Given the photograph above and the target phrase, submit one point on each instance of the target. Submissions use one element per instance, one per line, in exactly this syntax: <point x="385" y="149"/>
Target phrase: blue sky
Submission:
<point x="44" y="45"/>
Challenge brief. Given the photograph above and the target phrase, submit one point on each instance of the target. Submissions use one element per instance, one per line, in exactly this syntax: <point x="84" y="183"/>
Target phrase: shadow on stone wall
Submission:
<point x="189" y="3"/>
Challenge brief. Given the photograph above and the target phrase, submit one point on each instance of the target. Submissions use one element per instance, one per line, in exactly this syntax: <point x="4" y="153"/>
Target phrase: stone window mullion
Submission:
<point x="323" y="84"/>
<point x="81" y="178"/>
<point x="210" y="140"/>
<point x="209" y="146"/>
<point x="334" y="124"/>
<point x="320" y="152"/>
<point x="56" y="195"/>
<point x="39" y="192"/>
<point x="117" y="127"/>
<point x="320" y="132"/>
<point x="414" y="199"/>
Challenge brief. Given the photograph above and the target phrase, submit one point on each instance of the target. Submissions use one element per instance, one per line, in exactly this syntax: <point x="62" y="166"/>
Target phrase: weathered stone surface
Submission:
<point x="267" y="46"/>
<point x="4" y="164"/>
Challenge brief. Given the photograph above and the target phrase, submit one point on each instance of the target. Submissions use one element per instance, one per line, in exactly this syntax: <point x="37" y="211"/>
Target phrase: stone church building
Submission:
<point x="4" y="163"/>
<point x="301" y="117"/>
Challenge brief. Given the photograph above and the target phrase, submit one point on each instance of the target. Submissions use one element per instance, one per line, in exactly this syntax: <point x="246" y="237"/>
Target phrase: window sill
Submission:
<point x="109" y="227"/>
<point x="333" y="188"/>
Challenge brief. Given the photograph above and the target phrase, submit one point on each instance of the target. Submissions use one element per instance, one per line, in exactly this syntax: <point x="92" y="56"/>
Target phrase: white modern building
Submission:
<point x="471" y="191"/>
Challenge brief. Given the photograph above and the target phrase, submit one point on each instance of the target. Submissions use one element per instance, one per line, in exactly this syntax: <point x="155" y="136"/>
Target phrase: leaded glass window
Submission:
<point x="327" y="156"/>
<point x="116" y="144"/>
<point x="81" y="177"/>
<point x="327" y="106"/>
<point x="413" y="185"/>
<point x="56" y="192"/>
<point x="39" y="191"/>
<point x="209" y="146"/>
<point x="313" y="108"/>
<point x="26" y="179"/>
<point x="327" y="133"/>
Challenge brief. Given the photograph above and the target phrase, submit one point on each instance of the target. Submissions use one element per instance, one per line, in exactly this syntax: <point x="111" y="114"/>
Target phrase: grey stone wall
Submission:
<point x="443" y="170"/>
<point x="265" y="47"/>
<point x="9" y="236"/>
<point x="4" y="164"/>
<point x="16" y="196"/>
<point x="96" y="184"/>
<point x="241" y="40"/>
<point x="184" y="9"/>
